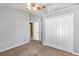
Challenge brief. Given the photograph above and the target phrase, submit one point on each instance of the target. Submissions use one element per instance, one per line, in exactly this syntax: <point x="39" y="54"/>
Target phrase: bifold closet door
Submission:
<point x="67" y="32"/>
<point x="50" y="32"/>
<point x="59" y="32"/>
<point x="64" y="26"/>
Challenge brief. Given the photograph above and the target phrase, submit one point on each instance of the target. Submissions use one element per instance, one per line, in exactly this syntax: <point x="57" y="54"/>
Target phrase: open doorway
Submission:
<point x="34" y="31"/>
<point x="31" y="31"/>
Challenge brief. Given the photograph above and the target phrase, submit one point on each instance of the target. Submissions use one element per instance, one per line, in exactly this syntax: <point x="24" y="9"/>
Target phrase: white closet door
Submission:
<point x="65" y="32"/>
<point x="59" y="32"/>
<point x="50" y="32"/>
<point x="59" y="40"/>
<point x="68" y="32"/>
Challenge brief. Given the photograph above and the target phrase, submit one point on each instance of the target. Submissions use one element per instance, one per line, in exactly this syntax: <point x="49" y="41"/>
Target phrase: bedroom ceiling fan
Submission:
<point x="35" y="7"/>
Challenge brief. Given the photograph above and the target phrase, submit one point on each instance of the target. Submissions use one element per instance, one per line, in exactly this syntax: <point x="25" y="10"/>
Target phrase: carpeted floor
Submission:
<point x="34" y="48"/>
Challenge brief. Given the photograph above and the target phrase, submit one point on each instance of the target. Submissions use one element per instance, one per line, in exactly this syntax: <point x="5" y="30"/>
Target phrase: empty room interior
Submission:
<point x="39" y="29"/>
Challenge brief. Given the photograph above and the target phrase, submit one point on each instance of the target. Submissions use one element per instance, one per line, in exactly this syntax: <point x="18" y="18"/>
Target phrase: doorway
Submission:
<point x="31" y="31"/>
<point x="34" y="31"/>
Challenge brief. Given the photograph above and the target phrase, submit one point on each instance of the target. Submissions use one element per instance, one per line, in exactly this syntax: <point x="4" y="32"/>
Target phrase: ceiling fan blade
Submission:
<point x="43" y="7"/>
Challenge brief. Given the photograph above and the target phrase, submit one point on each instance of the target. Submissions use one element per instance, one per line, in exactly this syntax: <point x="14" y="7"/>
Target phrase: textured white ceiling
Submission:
<point x="49" y="6"/>
<point x="23" y="5"/>
<point x="17" y="5"/>
<point x="57" y="6"/>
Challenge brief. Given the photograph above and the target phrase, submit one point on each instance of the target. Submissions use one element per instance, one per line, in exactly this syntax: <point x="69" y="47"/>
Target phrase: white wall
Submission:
<point x="14" y="28"/>
<point x="75" y="11"/>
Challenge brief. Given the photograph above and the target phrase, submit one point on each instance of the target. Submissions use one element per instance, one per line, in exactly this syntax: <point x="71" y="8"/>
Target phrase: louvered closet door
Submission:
<point x="64" y="26"/>
<point x="50" y="32"/>
<point x="59" y="32"/>
<point x="67" y="26"/>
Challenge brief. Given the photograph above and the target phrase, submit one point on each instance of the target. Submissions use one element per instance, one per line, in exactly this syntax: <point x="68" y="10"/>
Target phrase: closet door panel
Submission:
<point x="65" y="33"/>
<point x="59" y="40"/>
<point x="50" y="32"/>
<point x="68" y="33"/>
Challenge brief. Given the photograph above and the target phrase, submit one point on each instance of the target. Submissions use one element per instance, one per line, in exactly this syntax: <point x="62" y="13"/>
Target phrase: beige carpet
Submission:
<point x="34" y="48"/>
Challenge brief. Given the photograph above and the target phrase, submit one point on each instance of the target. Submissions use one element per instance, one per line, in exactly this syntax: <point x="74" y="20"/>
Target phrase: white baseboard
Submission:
<point x="75" y="53"/>
<point x="63" y="50"/>
<point x="14" y="46"/>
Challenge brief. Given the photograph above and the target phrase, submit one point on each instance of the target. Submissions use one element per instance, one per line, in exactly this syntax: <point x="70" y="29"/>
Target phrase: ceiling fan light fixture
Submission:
<point x="35" y="8"/>
<point x="37" y="5"/>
